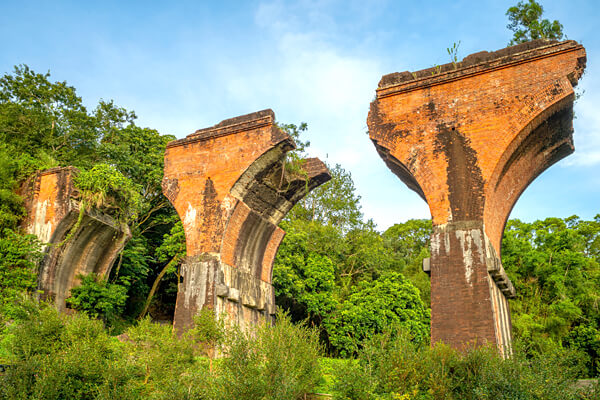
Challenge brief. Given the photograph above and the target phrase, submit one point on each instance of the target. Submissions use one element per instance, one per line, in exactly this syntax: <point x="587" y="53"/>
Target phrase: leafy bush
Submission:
<point x="373" y="307"/>
<point x="105" y="188"/>
<point x="19" y="256"/>
<point x="270" y="362"/>
<point x="98" y="298"/>
<point x="55" y="356"/>
<point x="394" y="367"/>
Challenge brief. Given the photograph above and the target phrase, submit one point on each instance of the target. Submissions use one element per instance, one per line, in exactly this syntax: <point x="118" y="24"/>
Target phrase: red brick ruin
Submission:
<point x="229" y="185"/>
<point x="71" y="249"/>
<point x="469" y="137"/>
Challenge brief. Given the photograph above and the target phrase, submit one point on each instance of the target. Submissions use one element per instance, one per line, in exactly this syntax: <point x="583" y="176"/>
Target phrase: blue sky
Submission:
<point x="188" y="65"/>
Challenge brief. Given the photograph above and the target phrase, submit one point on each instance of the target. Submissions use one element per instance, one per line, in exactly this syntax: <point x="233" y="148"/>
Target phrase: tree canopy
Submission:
<point x="527" y="24"/>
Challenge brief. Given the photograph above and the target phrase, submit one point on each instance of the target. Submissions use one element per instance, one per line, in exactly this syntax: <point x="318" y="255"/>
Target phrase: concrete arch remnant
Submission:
<point x="469" y="138"/>
<point x="229" y="186"/>
<point x="52" y="213"/>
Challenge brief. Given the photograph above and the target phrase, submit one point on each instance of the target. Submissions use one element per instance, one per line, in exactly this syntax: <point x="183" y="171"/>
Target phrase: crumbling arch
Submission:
<point x="231" y="189"/>
<point x="72" y="248"/>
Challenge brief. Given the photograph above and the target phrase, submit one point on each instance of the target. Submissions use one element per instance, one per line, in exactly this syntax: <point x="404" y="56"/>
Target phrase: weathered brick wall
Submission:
<point x="52" y="213"/>
<point x="228" y="185"/>
<point x="469" y="138"/>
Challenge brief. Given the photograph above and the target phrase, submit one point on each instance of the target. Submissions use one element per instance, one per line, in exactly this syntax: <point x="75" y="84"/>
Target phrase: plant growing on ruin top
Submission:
<point x="453" y="53"/>
<point x="527" y="24"/>
<point x="103" y="187"/>
<point x="293" y="164"/>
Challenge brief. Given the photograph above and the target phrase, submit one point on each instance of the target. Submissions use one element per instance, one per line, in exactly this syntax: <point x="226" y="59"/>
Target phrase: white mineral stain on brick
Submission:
<point x="189" y="220"/>
<point x="466" y="244"/>
<point x="435" y="244"/>
<point x="41" y="228"/>
<point x="228" y="203"/>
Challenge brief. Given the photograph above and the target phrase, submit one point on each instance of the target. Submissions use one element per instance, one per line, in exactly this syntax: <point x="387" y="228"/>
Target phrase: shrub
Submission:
<point x="373" y="306"/>
<point x="57" y="357"/>
<point x="19" y="255"/>
<point x="98" y="298"/>
<point x="393" y="367"/>
<point x="105" y="188"/>
<point x="270" y="362"/>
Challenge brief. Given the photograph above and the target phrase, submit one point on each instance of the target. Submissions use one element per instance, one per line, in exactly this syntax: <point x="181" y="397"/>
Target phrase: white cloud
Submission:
<point x="587" y="127"/>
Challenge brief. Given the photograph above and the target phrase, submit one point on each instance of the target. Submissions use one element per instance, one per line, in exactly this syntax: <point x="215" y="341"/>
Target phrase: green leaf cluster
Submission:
<point x="19" y="255"/>
<point x="527" y="24"/>
<point x="98" y="298"/>
<point x="57" y="356"/>
<point x="392" y="366"/>
<point x="105" y="188"/>
<point x="555" y="267"/>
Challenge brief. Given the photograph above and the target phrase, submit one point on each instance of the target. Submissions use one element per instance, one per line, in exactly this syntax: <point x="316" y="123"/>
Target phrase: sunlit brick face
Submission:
<point x="229" y="186"/>
<point x="469" y="138"/>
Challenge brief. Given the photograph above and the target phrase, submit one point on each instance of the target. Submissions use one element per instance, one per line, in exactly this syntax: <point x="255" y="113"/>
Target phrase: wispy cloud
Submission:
<point x="587" y="126"/>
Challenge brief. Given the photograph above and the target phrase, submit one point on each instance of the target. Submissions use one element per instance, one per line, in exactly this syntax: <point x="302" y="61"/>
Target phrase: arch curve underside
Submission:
<point x="235" y="278"/>
<point x="70" y="248"/>
<point x="469" y="138"/>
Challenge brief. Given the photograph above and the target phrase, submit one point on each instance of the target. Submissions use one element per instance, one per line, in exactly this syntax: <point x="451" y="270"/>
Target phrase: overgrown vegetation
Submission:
<point x="54" y="356"/>
<point x="349" y="290"/>
<point x="395" y="367"/>
<point x="104" y="188"/>
<point x="527" y="24"/>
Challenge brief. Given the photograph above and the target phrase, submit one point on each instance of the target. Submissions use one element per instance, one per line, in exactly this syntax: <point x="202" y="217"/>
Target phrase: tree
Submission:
<point x="373" y="307"/>
<point x="409" y="242"/>
<point x="41" y="117"/>
<point x="555" y="268"/>
<point x="303" y="277"/>
<point x="98" y="298"/>
<point x="526" y="23"/>
<point x="335" y="203"/>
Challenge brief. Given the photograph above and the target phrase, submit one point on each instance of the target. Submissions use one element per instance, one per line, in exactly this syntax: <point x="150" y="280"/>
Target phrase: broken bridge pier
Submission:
<point x="73" y="246"/>
<point x="469" y="137"/>
<point x="230" y="187"/>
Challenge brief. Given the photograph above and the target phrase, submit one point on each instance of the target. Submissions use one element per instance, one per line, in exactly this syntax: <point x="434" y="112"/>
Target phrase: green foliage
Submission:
<point x="304" y="280"/>
<point x="98" y="298"/>
<point x="271" y="362"/>
<point x="333" y="203"/>
<point x="395" y="367"/>
<point x="330" y="261"/>
<point x="159" y="360"/>
<point x="209" y="332"/>
<point x="374" y="306"/>
<point x="107" y="189"/>
<point x="37" y="115"/>
<point x="19" y="256"/>
<point x="173" y="244"/>
<point x="409" y="243"/>
<point x="55" y="356"/>
<point x="526" y="23"/>
<point x="453" y="53"/>
<point x="555" y="268"/>
<point x="295" y="131"/>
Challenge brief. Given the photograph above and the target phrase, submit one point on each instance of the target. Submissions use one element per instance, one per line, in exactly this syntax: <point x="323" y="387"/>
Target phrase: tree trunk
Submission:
<point x="155" y="286"/>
